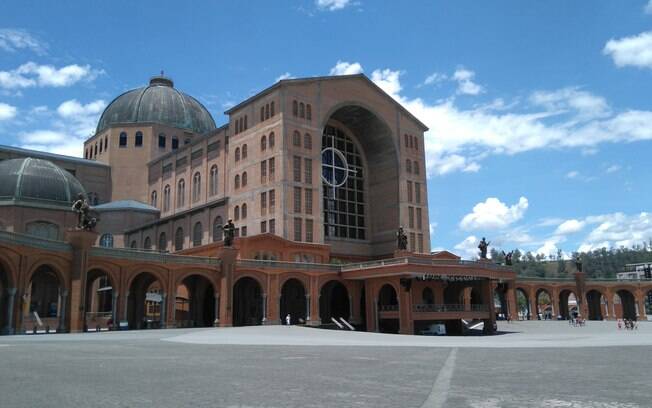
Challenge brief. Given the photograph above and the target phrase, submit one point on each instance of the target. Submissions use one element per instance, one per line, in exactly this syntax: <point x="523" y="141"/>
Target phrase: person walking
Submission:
<point x="288" y="319"/>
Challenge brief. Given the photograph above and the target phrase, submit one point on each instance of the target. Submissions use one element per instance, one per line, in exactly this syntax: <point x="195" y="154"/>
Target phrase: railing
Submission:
<point x="34" y="242"/>
<point x="423" y="261"/>
<point x="260" y="263"/>
<point x="438" y="308"/>
<point x="388" y="308"/>
<point x="153" y="256"/>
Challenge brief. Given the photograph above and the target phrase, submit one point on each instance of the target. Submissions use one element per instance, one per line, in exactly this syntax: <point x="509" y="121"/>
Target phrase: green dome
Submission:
<point x="159" y="102"/>
<point x="37" y="180"/>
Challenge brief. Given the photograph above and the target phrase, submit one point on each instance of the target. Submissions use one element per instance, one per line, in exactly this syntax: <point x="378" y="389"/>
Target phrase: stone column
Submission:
<point x="307" y="308"/>
<point x="114" y="308"/>
<point x="350" y="309"/>
<point x="555" y="302"/>
<point x="217" y="309"/>
<point x="488" y="299"/>
<point x="406" y="323"/>
<point x="580" y="285"/>
<point x="164" y="309"/>
<point x="264" y="308"/>
<point x="640" y="305"/>
<point x="62" y="314"/>
<point x="125" y="316"/>
<point x="81" y="242"/>
<point x="512" y="305"/>
<point x="228" y="257"/>
<point x="11" y="296"/>
<point x="533" y="312"/>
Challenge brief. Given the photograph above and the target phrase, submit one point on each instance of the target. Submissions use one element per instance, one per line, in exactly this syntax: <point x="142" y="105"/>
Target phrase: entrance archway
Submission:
<point x="99" y="301"/>
<point x="594" y="301"/>
<point x="567" y="304"/>
<point x="247" y="302"/>
<point x="146" y="306"/>
<point x="194" y="304"/>
<point x="334" y="302"/>
<point x="523" y="305"/>
<point x="628" y="304"/>
<point x="500" y="301"/>
<point x="388" y="302"/>
<point x="45" y="300"/>
<point x="544" y="308"/>
<point x="293" y="301"/>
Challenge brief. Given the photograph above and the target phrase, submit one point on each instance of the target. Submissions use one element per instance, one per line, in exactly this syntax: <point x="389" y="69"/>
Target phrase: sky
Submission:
<point x="540" y="113"/>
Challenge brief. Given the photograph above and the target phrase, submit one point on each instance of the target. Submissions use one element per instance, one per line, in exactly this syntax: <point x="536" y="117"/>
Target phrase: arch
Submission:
<point x="293" y="301"/>
<point x="197" y="234"/>
<point x="427" y="296"/>
<point x="243" y="211"/>
<point x="106" y="240"/>
<point x="99" y="305"/>
<point x="123" y="139"/>
<point x="334" y="301"/>
<point x="178" y="239"/>
<point x="388" y="302"/>
<point x="146" y="301"/>
<point x="523" y="304"/>
<point x="594" y="300"/>
<point x="139" y="139"/>
<point x="247" y="302"/>
<point x="271" y="140"/>
<point x="147" y="244"/>
<point x="568" y="304"/>
<point x="44" y="296"/>
<point x="263" y="143"/>
<point x="236" y="213"/>
<point x="627" y="304"/>
<point x="236" y="181"/>
<point x="134" y="244"/>
<point x="544" y="308"/>
<point x="244" y="179"/>
<point x="162" y="242"/>
<point x="195" y="302"/>
<point x="648" y="303"/>
<point x="244" y="151"/>
<point x="237" y="154"/>
<point x="218" y="232"/>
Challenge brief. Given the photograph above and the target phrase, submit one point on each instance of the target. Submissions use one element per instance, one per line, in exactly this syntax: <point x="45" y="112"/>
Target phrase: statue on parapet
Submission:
<point x="229" y="233"/>
<point x="483" y="246"/>
<point x="84" y="219"/>
<point x="401" y="239"/>
<point x="578" y="263"/>
<point x="508" y="257"/>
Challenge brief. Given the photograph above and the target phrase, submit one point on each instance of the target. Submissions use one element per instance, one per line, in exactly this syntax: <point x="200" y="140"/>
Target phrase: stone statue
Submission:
<point x="483" y="246"/>
<point x="508" y="257"/>
<point x="578" y="263"/>
<point x="84" y="219"/>
<point x="401" y="239"/>
<point x="229" y="233"/>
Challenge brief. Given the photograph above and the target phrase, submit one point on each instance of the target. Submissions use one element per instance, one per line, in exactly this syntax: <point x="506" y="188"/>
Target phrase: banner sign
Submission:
<point x="448" y="278"/>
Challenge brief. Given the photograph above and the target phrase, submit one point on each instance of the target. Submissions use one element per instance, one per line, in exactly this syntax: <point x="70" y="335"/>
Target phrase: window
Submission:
<point x="267" y="111"/>
<point x="296" y="138"/>
<point x="263" y="143"/>
<point x="295" y="108"/>
<point x="178" y="239"/>
<point x="166" y="198"/>
<point x="263" y="203"/>
<point x="272" y="226"/>
<point x="243" y="231"/>
<point x="307" y="141"/>
<point x="123" y="139"/>
<point x="106" y="143"/>
<point x="417" y="193"/>
<point x="243" y="211"/>
<point x="272" y="200"/>
<point x="175" y="143"/>
<point x="186" y="141"/>
<point x="307" y="171"/>
<point x="407" y="142"/>
<point x="236" y="213"/>
<point x="408" y="165"/>
<point x="244" y="152"/>
<point x="263" y="227"/>
<point x="196" y="187"/>
<point x="244" y="179"/>
<point x="297" y="229"/>
<point x="412" y="243"/>
<point x="308" y="112"/>
<point x="213" y="180"/>
<point x="197" y="234"/>
<point x="308" y="200"/>
<point x="161" y="140"/>
<point x="138" y="142"/>
<point x="271" y="108"/>
<point x="181" y="193"/>
<point x="263" y="171"/>
<point x="95" y="148"/>
<point x="237" y="126"/>
<point x="420" y="242"/>
<point x="218" y="233"/>
<point x="297" y="168"/>
<point x="162" y="242"/>
<point x="419" y="221"/>
<point x="106" y="241"/>
<point x="297" y="199"/>
<point x="411" y="139"/>
<point x="237" y="154"/>
<point x="409" y="191"/>
<point x="271" y="140"/>
<point x="262" y="113"/>
<point x="245" y="123"/>
<point x="416" y="167"/>
<point x="148" y="243"/>
<point x="309" y="224"/>
<point x="302" y="110"/>
<point x="153" y="200"/>
<point x="411" y="217"/>
<point x="101" y="145"/>
<point x="236" y="182"/>
<point x="416" y="143"/>
<point x="271" y="169"/>
<point x="133" y="245"/>
<point x="428" y="296"/>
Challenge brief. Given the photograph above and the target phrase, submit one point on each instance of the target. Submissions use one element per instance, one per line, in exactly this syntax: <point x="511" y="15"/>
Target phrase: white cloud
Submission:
<point x="548" y="248"/>
<point x="648" y="7"/>
<point x="435" y="78"/>
<point x="493" y="214"/>
<point x="465" y="84"/>
<point x="74" y="109"/>
<point x="618" y="229"/>
<point x="346" y="68"/>
<point x="332" y="5"/>
<point x="12" y="40"/>
<point x="31" y="75"/>
<point x="468" y="249"/>
<point x="286" y="75"/>
<point x="569" y="227"/>
<point x="584" y="104"/>
<point x="7" y="111"/>
<point x="432" y="227"/>
<point x="388" y="81"/>
<point x="631" y="51"/>
<point x="613" y="168"/>
<point x="572" y="174"/>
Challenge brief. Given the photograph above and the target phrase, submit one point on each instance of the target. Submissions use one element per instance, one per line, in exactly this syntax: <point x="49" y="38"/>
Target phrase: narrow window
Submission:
<point x="95" y="148"/>
<point x="271" y="140"/>
<point x="175" y="143"/>
<point x="237" y="154"/>
<point x="272" y="226"/>
<point x="101" y="146"/>
<point x="166" y="198"/>
<point x="263" y="171"/>
<point x="245" y="123"/>
<point x="236" y="182"/>
<point x="416" y="167"/>
<point x="197" y="233"/>
<point x="263" y="227"/>
<point x="263" y="203"/>
<point x="138" y="142"/>
<point x="408" y="165"/>
<point x="409" y="191"/>
<point x="213" y="181"/>
<point x="302" y="110"/>
<point x="267" y="111"/>
<point x="297" y="229"/>
<point x="297" y="168"/>
<point x="417" y="193"/>
<point x="271" y="108"/>
<point x="178" y="239"/>
<point x="262" y="113"/>
<point x="297" y="199"/>
<point x="181" y="193"/>
<point x="263" y="143"/>
<point x="272" y="200"/>
<point x="123" y="139"/>
<point x="295" y="108"/>
<point x="236" y="213"/>
<point x="407" y="142"/>
<point x="411" y="217"/>
<point x="217" y="229"/>
<point x="308" y="112"/>
<point x="161" y="141"/>
<point x="307" y="171"/>
<point x="244" y="211"/>
<point x="271" y="168"/>
<point x="296" y="138"/>
<point x="162" y="242"/>
<point x="309" y="228"/>
<point x="153" y="199"/>
<point x="196" y="187"/>
<point x="244" y="179"/>
<point x="307" y="141"/>
<point x="308" y="200"/>
<point x="419" y="222"/>
<point x="244" y="151"/>
<point x="106" y="143"/>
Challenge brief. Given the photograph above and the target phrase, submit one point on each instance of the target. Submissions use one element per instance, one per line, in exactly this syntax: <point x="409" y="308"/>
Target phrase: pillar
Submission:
<point x="640" y="305"/>
<point x="533" y="312"/>
<point x="81" y="241"/>
<point x="510" y="294"/>
<point x="307" y="308"/>
<point x="114" y="309"/>
<point x="228" y="257"/>
<point x="217" y="309"/>
<point x="555" y="302"/>
<point x="488" y="299"/>
<point x="264" y="308"/>
<point x="9" y="319"/>
<point x="125" y="316"/>
<point x="371" y="303"/>
<point x="405" y="307"/>
<point x="164" y="310"/>
<point x="313" y="293"/>
<point x="62" y="314"/>
<point x="580" y="286"/>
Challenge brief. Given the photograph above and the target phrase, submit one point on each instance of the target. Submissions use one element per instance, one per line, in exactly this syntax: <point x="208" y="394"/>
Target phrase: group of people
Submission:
<point x="577" y="321"/>
<point x="628" y="324"/>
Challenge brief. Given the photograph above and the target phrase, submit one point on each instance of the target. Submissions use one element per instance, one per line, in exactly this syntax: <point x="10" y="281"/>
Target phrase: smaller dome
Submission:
<point x="36" y="180"/>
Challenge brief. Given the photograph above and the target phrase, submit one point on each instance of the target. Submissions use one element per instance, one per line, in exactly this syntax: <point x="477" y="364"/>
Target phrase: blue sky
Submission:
<point x="540" y="112"/>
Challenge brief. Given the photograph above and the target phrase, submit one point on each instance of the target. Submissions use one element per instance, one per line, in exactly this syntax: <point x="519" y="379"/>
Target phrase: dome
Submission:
<point x="37" y="180"/>
<point x="159" y="102"/>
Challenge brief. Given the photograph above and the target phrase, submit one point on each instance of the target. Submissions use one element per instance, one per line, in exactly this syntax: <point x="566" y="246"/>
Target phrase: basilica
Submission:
<point x="316" y="174"/>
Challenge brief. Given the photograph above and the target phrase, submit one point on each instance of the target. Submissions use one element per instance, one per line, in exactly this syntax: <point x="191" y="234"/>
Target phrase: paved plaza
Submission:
<point x="530" y="364"/>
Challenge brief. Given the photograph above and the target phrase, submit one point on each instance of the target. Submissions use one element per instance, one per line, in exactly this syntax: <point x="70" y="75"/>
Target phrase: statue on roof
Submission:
<point x="578" y="263"/>
<point x="229" y="233"/>
<point x="508" y="257"/>
<point x="84" y="219"/>
<point x="483" y="246"/>
<point x="401" y="239"/>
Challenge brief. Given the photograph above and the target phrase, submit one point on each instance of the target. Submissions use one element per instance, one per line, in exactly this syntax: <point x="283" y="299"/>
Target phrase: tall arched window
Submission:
<point x="295" y="108"/>
<point x="308" y="112"/>
<point x="237" y="126"/>
<point x="271" y="108"/>
<point x="302" y="110"/>
<point x="154" y="199"/>
<point x="106" y="241"/>
<point x="307" y="141"/>
<point x="134" y="244"/>
<point x="139" y="139"/>
<point x="262" y="113"/>
<point x="123" y="139"/>
<point x="218" y="233"/>
<point x="166" y="198"/>
<point x="237" y="154"/>
<point x="245" y="123"/>
<point x="244" y="179"/>
<point x="263" y="143"/>
<point x="408" y="165"/>
<point x="244" y="151"/>
<point x="267" y="111"/>
<point x="416" y="167"/>
<point x="148" y="243"/>
<point x="213" y="180"/>
<point x="181" y="193"/>
<point x="162" y="242"/>
<point x="428" y="296"/>
<point x="236" y="182"/>
<point x="236" y="213"/>
<point x="197" y="234"/>
<point x="271" y="140"/>
<point x="296" y="138"/>
<point x="196" y="187"/>
<point x="178" y="239"/>
<point x="243" y="211"/>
